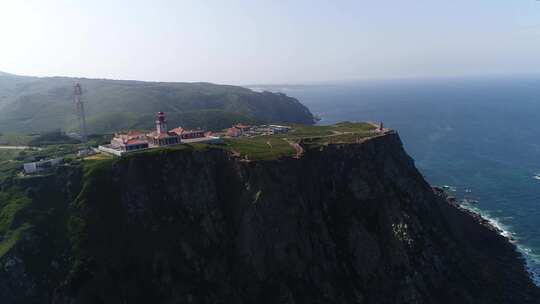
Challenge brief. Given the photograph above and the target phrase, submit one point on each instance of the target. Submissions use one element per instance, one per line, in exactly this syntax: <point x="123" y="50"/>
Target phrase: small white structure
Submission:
<point x="277" y="129"/>
<point x="85" y="152"/>
<point x="110" y="150"/>
<point x="206" y="139"/>
<point x="40" y="166"/>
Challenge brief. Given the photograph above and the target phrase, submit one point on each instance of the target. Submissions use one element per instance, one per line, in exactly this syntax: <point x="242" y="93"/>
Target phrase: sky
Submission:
<point x="259" y="42"/>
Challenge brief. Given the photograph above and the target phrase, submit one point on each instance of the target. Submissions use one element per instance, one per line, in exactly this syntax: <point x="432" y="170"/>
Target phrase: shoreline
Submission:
<point x="531" y="265"/>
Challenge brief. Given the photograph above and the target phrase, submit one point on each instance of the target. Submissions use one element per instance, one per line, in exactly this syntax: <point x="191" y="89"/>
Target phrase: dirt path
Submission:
<point x="297" y="147"/>
<point x="17" y="147"/>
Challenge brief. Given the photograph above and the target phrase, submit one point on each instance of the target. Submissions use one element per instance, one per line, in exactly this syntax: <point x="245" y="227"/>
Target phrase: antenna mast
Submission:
<point x="77" y="92"/>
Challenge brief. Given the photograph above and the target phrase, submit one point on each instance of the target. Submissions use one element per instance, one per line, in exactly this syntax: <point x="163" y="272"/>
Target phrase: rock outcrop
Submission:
<point x="353" y="223"/>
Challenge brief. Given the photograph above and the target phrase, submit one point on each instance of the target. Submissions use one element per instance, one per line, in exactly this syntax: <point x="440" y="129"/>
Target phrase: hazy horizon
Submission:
<point x="344" y="82"/>
<point x="265" y="42"/>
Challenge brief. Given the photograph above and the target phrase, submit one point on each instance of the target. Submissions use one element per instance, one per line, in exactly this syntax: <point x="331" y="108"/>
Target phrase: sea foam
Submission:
<point x="532" y="259"/>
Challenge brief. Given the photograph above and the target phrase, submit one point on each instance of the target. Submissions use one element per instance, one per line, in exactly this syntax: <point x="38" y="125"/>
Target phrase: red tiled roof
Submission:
<point x="135" y="133"/>
<point x="178" y="130"/>
<point x="240" y="126"/>
<point x="136" y="142"/>
<point x="161" y="135"/>
<point x="233" y="130"/>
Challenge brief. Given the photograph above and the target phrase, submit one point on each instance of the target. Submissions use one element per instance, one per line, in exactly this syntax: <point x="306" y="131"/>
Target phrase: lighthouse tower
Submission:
<point x="161" y="123"/>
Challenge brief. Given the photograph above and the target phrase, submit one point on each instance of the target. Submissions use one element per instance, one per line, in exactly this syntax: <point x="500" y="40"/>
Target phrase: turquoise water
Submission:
<point x="477" y="134"/>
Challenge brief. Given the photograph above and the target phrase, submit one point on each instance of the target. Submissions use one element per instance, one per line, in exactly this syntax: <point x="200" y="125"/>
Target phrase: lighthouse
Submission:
<point x="162" y="137"/>
<point x="161" y="123"/>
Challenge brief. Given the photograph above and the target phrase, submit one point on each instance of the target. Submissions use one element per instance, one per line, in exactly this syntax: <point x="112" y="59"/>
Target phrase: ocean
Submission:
<point x="478" y="136"/>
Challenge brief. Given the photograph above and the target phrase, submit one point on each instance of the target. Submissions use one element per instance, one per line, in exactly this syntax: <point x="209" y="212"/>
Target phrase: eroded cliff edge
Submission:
<point x="352" y="223"/>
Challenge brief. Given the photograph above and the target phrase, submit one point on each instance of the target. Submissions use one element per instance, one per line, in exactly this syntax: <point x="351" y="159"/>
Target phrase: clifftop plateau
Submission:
<point x="343" y="223"/>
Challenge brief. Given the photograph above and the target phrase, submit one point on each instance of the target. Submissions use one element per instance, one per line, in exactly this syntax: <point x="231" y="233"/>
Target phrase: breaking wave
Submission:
<point x="532" y="259"/>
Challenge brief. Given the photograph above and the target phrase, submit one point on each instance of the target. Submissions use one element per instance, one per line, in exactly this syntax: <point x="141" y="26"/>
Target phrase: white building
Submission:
<point x="40" y="166"/>
<point x="160" y="137"/>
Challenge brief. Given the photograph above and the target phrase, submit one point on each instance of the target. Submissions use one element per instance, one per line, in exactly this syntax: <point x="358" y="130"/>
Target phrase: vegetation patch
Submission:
<point x="260" y="147"/>
<point x="280" y="145"/>
<point x="306" y="131"/>
<point x="32" y="104"/>
<point x="11" y="238"/>
<point x="9" y="165"/>
<point x="303" y="131"/>
<point x="52" y="138"/>
<point x="11" y="202"/>
<point x="15" y="139"/>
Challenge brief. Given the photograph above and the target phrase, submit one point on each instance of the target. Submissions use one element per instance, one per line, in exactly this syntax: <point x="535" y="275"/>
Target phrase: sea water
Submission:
<point x="481" y="137"/>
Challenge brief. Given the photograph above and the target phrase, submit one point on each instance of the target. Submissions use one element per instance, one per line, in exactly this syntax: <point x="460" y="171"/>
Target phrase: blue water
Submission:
<point x="477" y="134"/>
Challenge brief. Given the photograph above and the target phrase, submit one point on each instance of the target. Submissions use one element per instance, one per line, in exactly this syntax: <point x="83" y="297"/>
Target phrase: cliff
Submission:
<point x="345" y="223"/>
<point x="37" y="104"/>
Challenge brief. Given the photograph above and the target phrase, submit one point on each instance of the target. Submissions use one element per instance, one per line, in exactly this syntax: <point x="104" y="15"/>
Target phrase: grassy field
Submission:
<point x="260" y="147"/>
<point x="99" y="156"/>
<point x="303" y="131"/>
<point x="15" y="139"/>
<point x="9" y="164"/>
<point x="8" y="154"/>
<point x="277" y="146"/>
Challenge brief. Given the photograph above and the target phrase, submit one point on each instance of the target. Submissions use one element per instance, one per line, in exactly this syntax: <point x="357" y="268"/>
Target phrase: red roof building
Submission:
<point x="188" y="134"/>
<point x="136" y="140"/>
<point x="130" y="141"/>
<point x="237" y="130"/>
<point x="234" y="132"/>
<point x="242" y="127"/>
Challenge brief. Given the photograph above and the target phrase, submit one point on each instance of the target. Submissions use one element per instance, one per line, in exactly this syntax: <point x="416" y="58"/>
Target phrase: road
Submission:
<point x="18" y="148"/>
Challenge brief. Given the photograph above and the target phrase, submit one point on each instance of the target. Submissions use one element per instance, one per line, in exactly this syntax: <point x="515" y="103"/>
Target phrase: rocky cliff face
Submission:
<point x="352" y="223"/>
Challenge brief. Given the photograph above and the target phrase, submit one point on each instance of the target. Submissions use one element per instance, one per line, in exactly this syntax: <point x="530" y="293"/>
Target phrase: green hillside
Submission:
<point x="33" y="104"/>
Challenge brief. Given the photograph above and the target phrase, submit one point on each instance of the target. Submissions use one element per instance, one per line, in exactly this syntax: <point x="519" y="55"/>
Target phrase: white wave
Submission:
<point x="449" y="188"/>
<point x="532" y="262"/>
<point x="257" y="89"/>
<point x="532" y="259"/>
<point x="269" y="89"/>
